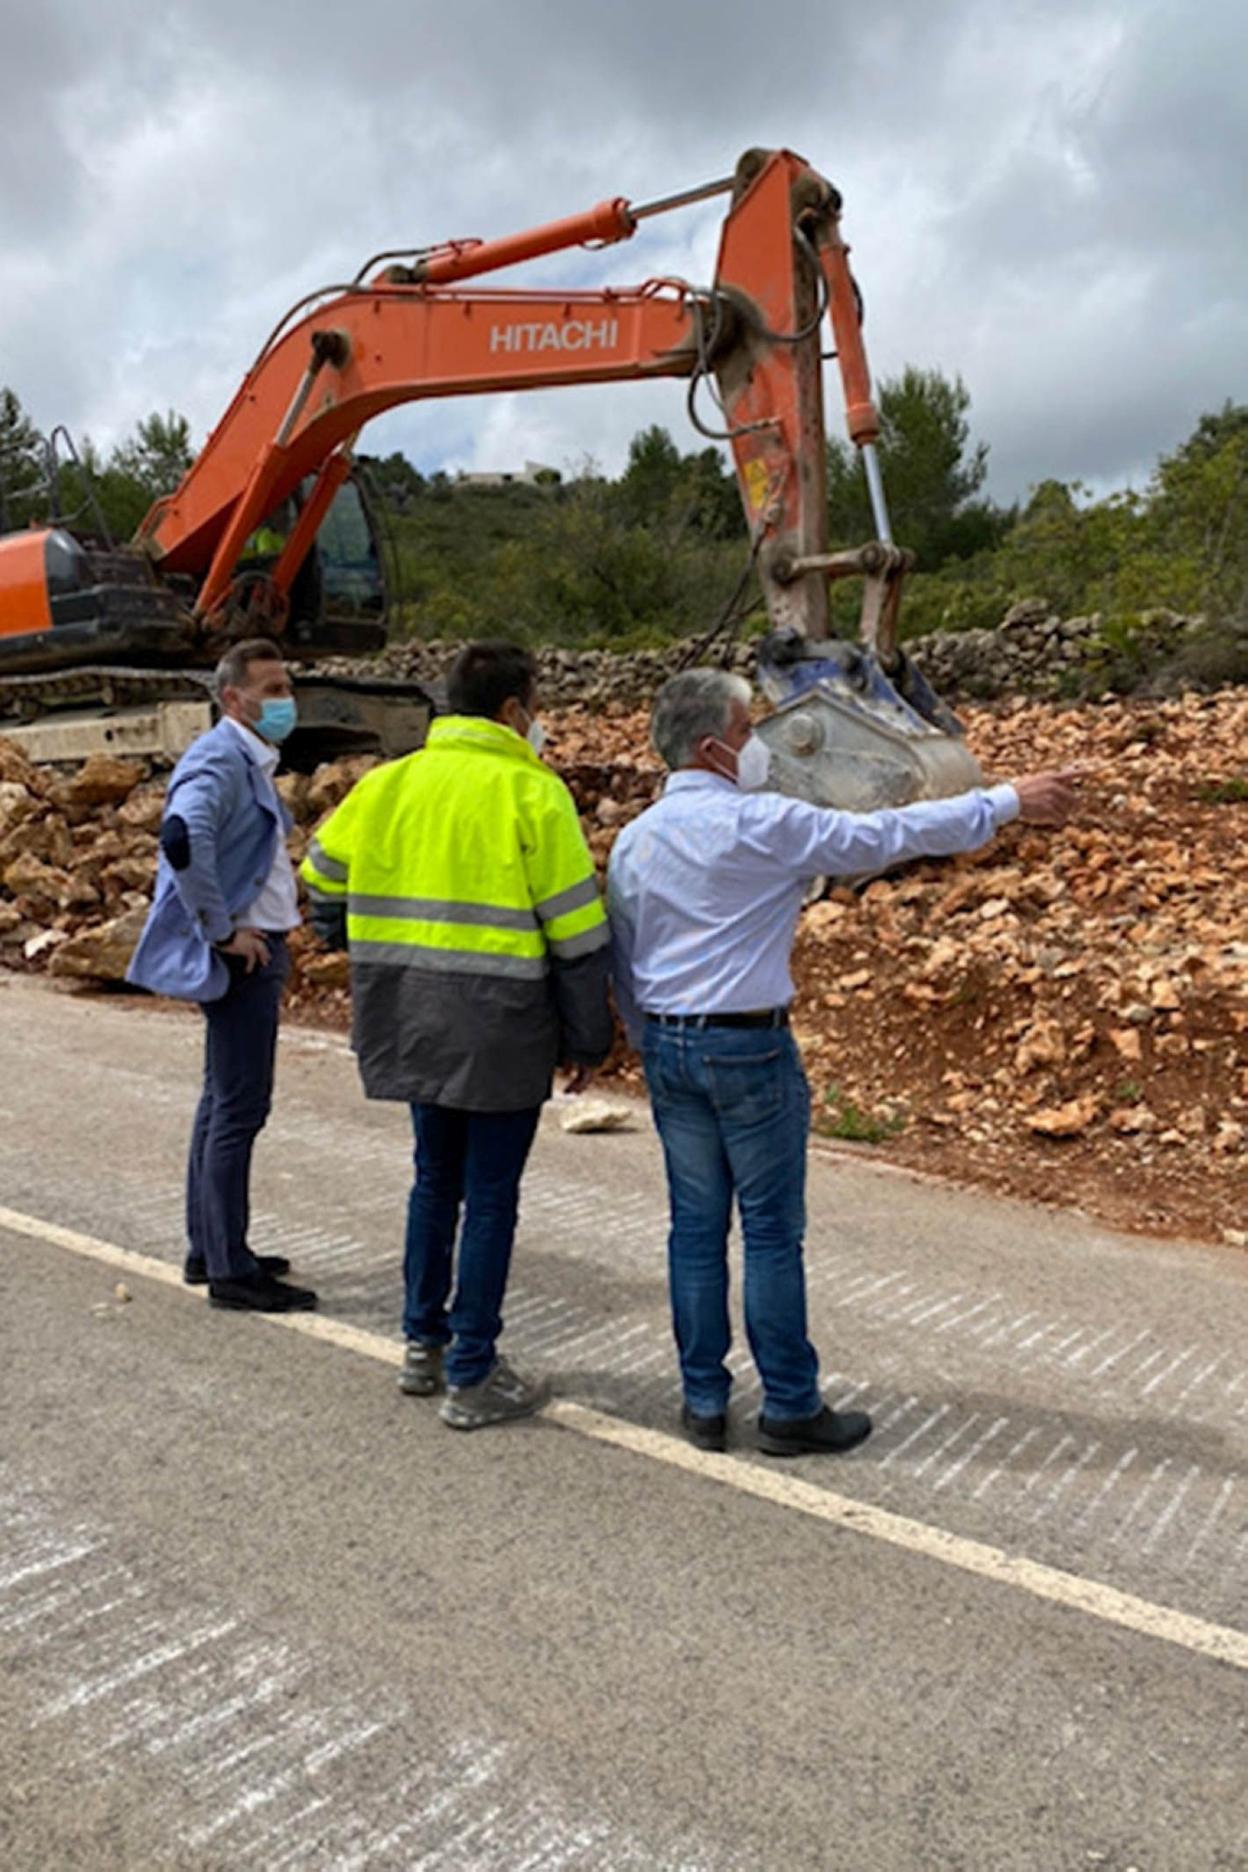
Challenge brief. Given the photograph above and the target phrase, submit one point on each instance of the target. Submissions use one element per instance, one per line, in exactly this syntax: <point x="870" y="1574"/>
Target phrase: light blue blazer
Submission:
<point x="221" y="824"/>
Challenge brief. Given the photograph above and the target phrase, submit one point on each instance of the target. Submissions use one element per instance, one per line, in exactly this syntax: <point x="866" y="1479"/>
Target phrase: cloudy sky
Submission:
<point x="1048" y="198"/>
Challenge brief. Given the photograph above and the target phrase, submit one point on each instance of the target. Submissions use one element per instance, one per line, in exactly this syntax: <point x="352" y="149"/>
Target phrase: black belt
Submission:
<point x="769" y="1017"/>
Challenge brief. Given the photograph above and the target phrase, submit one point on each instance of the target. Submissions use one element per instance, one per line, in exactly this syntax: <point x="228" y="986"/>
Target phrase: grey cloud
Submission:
<point x="1046" y="198"/>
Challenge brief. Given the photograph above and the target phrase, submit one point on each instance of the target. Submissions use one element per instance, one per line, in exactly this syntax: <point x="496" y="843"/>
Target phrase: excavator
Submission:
<point x="852" y="724"/>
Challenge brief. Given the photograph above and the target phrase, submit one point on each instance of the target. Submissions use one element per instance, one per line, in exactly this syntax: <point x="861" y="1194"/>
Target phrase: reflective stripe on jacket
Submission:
<point x="475" y="925"/>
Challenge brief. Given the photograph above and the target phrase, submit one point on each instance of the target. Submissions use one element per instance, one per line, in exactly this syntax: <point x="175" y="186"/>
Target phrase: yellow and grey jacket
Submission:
<point x="460" y="880"/>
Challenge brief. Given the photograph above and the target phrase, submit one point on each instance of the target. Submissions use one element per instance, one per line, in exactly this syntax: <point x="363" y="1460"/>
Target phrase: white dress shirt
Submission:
<point x="705" y="887"/>
<point x="277" y="906"/>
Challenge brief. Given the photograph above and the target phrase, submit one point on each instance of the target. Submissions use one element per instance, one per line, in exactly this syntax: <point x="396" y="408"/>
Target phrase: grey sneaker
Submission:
<point x="497" y="1399"/>
<point x="421" y="1375"/>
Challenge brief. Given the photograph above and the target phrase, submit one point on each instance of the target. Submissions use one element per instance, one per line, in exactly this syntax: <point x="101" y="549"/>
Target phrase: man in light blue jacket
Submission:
<point x="216" y="934"/>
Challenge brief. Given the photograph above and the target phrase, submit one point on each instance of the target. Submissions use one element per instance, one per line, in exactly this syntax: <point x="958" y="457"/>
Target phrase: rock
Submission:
<point x="1043" y="1044"/>
<point x="10" y="919"/>
<point x="1127" y="1042"/>
<point x="1026" y="614"/>
<point x="29" y="877"/>
<point x="47" y="939"/>
<point x="1065" y="1121"/>
<point x="1138" y="1014"/>
<point x="292" y="790"/>
<point x="107" y="848"/>
<point x="17" y="803"/>
<point x="596" y="1114"/>
<point x="102" y="953"/>
<point x="128" y="874"/>
<point x="326" y="970"/>
<point x="16" y="770"/>
<point x="42" y="834"/>
<point x="102" y="780"/>
<point x="1133" y="1120"/>
<point x="143" y="810"/>
<point x="82" y="894"/>
<point x="331" y="783"/>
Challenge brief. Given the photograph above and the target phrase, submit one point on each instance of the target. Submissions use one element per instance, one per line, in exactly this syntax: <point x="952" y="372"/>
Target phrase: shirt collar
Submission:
<point x="262" y="752"/>
<point x="697" y="780"/>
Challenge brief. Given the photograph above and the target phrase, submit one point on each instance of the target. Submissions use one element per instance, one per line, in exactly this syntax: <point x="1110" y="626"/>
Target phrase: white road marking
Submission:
<point x="1107" y="1363"/>
<point x="1016" y="1449"/>
<point x="955" y="1469"/>
<point x="1170" y="1369"/>
<point x="1224" y="1644"/>
<point x="928" y="1423"/>
<point x="1089" y="1345"/>
<point x="1168" y="1513"/>
<point x="1206" y="1526"/>
<point x="1111" y="1481"/>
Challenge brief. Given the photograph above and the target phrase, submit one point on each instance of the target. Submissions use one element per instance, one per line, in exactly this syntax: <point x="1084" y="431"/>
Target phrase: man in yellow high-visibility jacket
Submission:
<point x="460" y="881"/>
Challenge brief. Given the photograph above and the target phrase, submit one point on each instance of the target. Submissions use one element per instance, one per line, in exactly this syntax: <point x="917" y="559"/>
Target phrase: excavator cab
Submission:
<point x="339" y="598"/>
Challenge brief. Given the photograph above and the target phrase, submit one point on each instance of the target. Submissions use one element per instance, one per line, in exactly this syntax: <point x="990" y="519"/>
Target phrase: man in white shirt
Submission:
<point x="225" y="902"/>
<point x="703" y="895"/>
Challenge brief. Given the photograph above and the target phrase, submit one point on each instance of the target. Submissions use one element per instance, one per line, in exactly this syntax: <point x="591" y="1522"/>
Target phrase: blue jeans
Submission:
<point x="240" y="1045"/>
<point x="473" y="1161"/>
<point x="733" y="1111"/>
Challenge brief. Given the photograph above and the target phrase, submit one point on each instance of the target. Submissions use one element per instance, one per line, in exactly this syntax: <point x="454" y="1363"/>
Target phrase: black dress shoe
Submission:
<point x="828" y="1433"/>
<point x="195" y="1272"/>
<point x="709" y="1433"/>
<point x="260" y="1293"/>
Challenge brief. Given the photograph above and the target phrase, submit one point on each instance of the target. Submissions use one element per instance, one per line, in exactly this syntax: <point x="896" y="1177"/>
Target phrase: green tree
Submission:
<point x="158" y="454"/>
<point x="677" y="494"/>
<point x="1196" y="514"/>
<point x="22" y="467"/>
<point x="932" y="473"/>
<point x="394" y="478"/>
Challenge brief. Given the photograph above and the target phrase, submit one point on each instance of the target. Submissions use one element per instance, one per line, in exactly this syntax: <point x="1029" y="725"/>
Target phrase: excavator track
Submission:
<point x="29" y="698"/>
<point x="338" y="714"/>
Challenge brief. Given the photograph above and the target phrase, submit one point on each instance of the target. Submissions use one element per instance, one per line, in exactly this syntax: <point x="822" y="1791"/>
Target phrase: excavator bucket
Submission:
<point x="844" y="733"/>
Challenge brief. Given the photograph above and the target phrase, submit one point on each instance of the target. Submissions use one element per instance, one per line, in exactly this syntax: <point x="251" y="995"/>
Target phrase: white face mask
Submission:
<point x="753" y="764"/>
<point x="535" y="735"/>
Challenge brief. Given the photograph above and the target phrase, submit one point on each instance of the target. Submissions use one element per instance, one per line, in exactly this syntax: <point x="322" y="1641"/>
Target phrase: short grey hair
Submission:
<point x="690" y="706"/>
<point x="231" y="671"/>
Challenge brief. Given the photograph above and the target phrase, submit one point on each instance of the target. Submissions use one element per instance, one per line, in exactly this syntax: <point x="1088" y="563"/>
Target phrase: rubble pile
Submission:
<point x="1062" y="1016"/>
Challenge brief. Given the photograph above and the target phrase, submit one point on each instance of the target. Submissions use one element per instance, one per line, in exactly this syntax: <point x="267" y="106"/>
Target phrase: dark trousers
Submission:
<point x="240" y="1045"/>
<point x="471" y="1161"/>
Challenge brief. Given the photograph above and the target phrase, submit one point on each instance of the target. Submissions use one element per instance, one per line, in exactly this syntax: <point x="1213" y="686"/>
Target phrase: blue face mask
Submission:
<point x="277" y="717"/>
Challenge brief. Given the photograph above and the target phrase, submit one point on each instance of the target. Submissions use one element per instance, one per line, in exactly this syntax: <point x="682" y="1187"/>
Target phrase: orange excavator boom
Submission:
<point x="419" y="331"/>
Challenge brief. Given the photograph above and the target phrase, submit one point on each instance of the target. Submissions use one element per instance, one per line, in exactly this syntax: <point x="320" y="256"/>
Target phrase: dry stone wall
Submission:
<point x="1032" y="652"/>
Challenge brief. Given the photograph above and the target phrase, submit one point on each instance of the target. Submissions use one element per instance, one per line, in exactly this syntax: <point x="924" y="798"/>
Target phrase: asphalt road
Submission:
<point x="256" y="1609"/>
